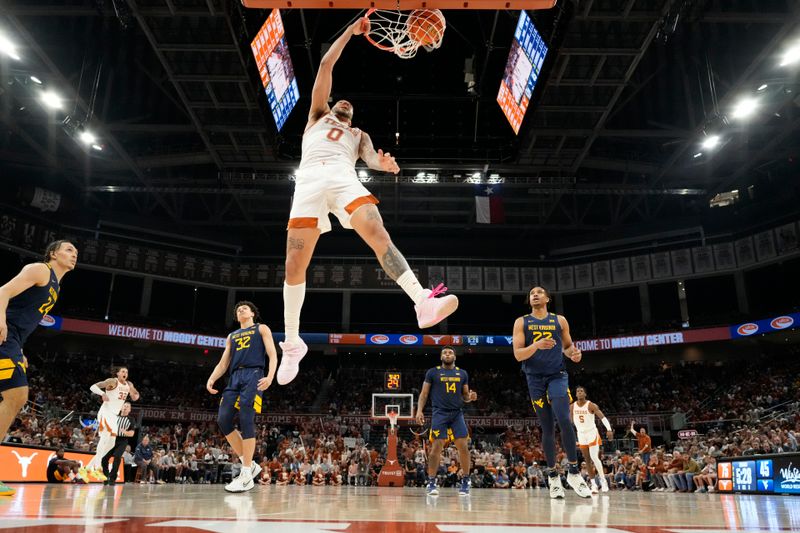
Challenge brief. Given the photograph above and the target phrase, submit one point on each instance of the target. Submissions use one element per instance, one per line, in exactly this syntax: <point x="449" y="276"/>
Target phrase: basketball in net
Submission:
<point x="426" y="27"/>
<point x="403" y="33"/>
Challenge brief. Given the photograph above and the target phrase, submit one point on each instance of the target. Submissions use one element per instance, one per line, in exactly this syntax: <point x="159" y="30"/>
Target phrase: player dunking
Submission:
<point x="327" y="182"/>
<point x="114" y="392"/>
<point x="541" y="340"/>
<point x="24" y="301"/>
<point x="244" y="355"/>
<point x="582" y="415"/>
<point x="448" y="387"/>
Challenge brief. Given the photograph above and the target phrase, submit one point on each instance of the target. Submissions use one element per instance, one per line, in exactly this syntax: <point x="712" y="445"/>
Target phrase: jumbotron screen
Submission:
<point x="275" y="68"/>
<point x="523" y="68"/>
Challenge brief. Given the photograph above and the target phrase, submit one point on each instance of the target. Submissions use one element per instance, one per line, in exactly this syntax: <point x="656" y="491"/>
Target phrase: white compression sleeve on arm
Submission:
<point x="97" y="390"/>
<point x="606" y="423"/>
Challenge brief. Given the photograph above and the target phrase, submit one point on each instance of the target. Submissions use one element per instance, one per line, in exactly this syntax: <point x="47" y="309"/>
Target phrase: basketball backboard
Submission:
<point x="384" y="403"/>
<point x="401" y="5"/>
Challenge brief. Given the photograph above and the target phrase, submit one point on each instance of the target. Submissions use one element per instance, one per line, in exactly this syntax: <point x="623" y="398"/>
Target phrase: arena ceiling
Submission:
<point x="610" y="147"/>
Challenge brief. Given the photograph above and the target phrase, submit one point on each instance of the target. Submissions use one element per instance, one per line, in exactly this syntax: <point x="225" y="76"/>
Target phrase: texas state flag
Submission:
<point x="489" y="205"/>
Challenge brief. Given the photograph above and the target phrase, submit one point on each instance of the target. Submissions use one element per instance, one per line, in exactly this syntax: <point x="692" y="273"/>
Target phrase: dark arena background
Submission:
<point x="638" y="159"/>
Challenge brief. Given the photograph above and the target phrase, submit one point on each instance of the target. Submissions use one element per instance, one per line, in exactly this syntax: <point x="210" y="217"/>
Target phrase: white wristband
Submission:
<point x="606" y="423"/>
<point x="97" y="390"/>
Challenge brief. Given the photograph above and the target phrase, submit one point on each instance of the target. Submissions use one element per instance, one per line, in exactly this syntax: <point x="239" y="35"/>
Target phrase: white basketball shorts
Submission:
<point x="325" y="189"/>
<point x="589" y="438"/>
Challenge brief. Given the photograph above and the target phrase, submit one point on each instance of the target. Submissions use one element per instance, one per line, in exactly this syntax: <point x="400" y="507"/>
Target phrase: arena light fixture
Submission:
<point x="744" y="108"/>
<point x="87" y="137"/>
<point x="475" y="178"/>
<point x="425" y="177"/>
<point x="36" y="80"/>
<point x="697" y="155"/>
<point x="8" y="48"/>
<point x="762" y="87"/>
<point x="791" y="56"/>
<point x="710" y="142"/>
<point x="97" y="147"/>
<point x="51" y="100"/>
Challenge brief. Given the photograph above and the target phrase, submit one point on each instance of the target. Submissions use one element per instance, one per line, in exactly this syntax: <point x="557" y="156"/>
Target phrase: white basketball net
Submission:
<point x="389" y="31"/>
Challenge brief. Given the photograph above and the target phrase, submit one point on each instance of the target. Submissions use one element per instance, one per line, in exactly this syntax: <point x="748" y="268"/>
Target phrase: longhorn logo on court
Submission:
<point x="782" y="322"/>
<point x="24" y="462"/>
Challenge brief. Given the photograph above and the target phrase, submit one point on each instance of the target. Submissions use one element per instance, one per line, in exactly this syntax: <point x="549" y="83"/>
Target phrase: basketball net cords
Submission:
<point x="389" y="32"/>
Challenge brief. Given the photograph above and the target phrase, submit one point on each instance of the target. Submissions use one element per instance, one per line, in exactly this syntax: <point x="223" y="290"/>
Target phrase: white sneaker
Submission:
<point x="603" y="485"/>
<point x="432" y="310"/>
<point x="255" y="468"/>
<point x="242" y="483"/>
<point x="556" y="488"/>
<point x="293" y="353"/>
<point x="593" y="487"/>
<point x="579" y="485"/>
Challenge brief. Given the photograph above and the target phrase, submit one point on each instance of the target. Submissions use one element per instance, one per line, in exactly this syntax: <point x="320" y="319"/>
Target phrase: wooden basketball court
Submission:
<point x="175" y="508"/>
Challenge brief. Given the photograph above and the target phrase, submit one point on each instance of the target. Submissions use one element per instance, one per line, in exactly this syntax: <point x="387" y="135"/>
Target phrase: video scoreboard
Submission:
<point x="761" y="474"/>
<point x="523" y="68"/>
<point x="275" y="68"/>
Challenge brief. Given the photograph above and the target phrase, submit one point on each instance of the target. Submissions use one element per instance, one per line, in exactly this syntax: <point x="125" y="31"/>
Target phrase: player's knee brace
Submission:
<point x="247" y="421"/>
<point x="594" y="453"/>
<point x="225" y="417"/>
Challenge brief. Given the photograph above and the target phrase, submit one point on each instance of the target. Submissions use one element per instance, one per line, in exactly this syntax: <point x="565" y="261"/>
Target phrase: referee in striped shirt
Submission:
<point x="125" y="429"/>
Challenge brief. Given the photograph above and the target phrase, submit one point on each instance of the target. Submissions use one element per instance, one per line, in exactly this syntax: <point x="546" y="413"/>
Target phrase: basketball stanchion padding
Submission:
<point x="392" y="474"/>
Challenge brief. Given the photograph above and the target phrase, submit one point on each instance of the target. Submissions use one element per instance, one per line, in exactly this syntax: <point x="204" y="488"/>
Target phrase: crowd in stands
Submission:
<point x="707" y="391"/>
<point x="327" y="452"/>
<point x="176" y="385"/>
<point x="745" y="408"/>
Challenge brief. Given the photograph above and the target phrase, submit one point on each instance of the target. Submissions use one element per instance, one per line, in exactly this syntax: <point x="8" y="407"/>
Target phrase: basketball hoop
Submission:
<point x="392" y="416"/>
<point x="405" y="33"/>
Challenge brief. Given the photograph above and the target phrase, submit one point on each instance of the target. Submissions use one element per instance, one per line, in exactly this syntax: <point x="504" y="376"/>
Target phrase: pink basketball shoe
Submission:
<point x="293" y="353"/>
<point x="433" y="310"/>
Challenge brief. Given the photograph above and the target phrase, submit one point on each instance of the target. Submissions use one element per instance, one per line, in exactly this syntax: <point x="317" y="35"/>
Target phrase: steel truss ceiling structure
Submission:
<point x="629" y="92"/>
